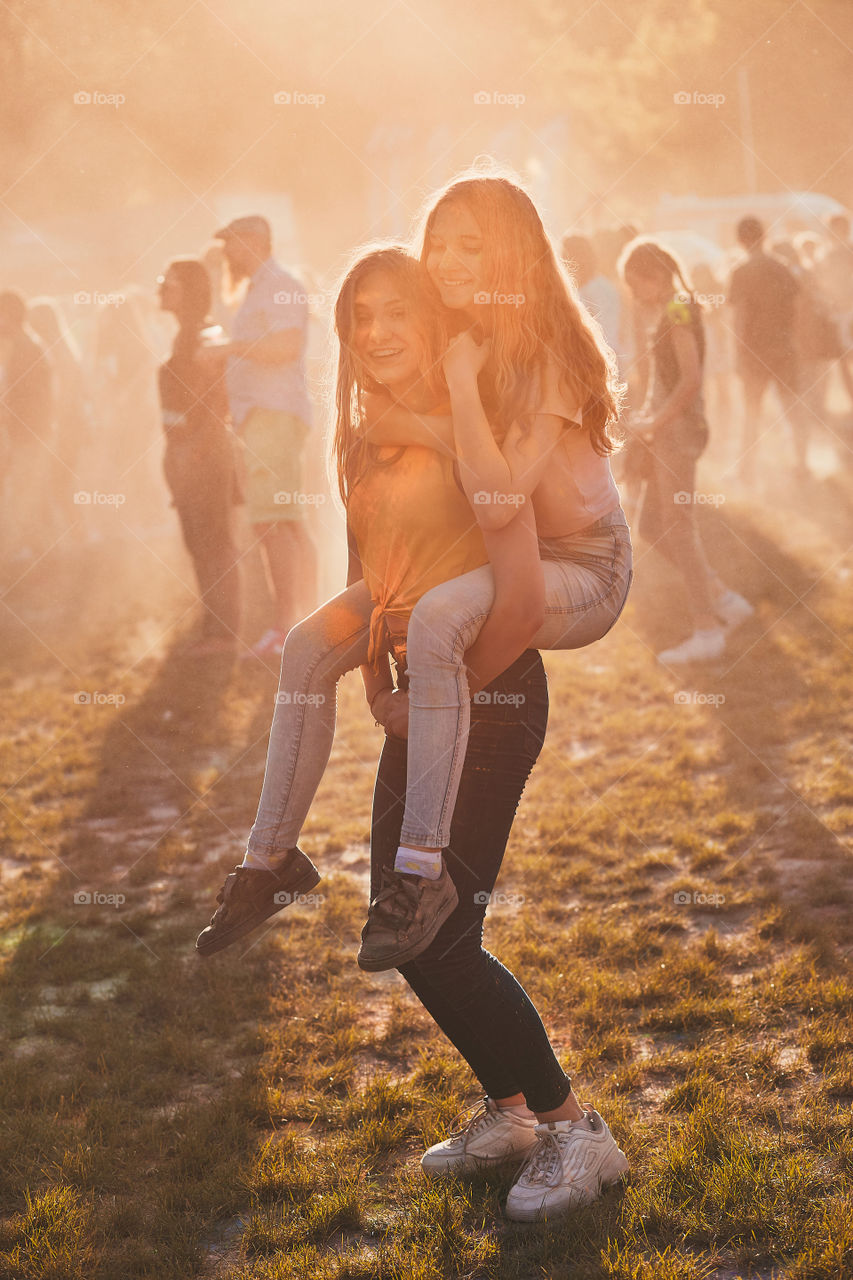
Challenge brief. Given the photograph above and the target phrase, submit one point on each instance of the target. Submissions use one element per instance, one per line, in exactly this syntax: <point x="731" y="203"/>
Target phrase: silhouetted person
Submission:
<point x="599" y="295"/>
<point x="26" y="429"/>
<point x="73" y="427"/>
<point x="764" y="292"/>
<point x="834" y="273"/>
<point x="200" y="464"/>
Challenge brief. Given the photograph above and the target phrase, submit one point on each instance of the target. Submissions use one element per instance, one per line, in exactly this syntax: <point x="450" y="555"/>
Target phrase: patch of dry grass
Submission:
<point x="685" y="930"/>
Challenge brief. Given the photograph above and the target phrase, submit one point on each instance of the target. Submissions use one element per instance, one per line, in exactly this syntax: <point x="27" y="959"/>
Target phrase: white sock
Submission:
<point x="415" y="862"/>
<point x="521" y="1110"/>
<point x="264" y="861"/>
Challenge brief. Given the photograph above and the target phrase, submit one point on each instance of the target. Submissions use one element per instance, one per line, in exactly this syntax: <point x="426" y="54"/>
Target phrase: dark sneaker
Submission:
<point x="249" y="897"/>
<point x="404" y="917"/>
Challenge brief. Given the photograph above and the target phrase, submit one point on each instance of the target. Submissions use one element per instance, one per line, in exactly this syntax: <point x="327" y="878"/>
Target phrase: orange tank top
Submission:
<point x="414" y="529"/>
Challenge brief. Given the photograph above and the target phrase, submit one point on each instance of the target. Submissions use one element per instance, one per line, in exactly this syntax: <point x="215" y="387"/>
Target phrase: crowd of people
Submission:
<point x="480" y="401"/>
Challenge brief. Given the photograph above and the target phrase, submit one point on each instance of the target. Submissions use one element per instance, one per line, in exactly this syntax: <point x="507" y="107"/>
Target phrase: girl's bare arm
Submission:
<point x="498" y="479"/>
<point x="388" y="422"/>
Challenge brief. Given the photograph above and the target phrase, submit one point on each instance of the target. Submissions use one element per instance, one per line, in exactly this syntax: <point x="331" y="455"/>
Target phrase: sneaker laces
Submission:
<point x="230" y="886"/>
<point x="468" y="1122"/>
<point x="394" y="892"/>
<point x="544" y="1161"/>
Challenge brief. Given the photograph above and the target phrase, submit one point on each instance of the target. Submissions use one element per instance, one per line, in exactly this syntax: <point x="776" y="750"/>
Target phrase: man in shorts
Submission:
<point x="271" y="412"/>
<point x="764" y="294"/>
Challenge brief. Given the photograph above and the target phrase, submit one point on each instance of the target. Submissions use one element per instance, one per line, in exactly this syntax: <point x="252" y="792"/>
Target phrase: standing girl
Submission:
<point x="199" y="463"/>
<point x="411" y="525"/>
<point x="533" y="404"/>
<point x="671" y="434"/>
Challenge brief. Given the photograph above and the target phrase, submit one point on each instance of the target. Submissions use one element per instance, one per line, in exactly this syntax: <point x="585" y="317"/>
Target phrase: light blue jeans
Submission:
<point x="587" y="577"/>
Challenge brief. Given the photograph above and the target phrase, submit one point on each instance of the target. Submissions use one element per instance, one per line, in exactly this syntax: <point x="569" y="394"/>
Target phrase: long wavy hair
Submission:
<point x="352" y="378"/>
<point x="549" y="321"/>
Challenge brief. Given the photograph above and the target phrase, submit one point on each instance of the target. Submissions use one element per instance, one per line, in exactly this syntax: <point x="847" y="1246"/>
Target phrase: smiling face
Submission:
<point x="455" y="256"/>
<point x="386" y="336"/>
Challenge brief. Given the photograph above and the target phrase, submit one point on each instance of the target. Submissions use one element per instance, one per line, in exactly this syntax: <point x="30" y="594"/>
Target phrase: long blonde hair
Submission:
<point x="521" y="263"/>
<point x="352" y="378"/>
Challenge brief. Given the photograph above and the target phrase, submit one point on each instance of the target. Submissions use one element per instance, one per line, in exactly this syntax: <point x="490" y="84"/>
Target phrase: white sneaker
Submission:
<point x="733" y="609"/>
<point x="489" y="1137"/>
<point x="571" y="1163"/>
<point x="703" y="646"/>
<point x="270" y="645"/>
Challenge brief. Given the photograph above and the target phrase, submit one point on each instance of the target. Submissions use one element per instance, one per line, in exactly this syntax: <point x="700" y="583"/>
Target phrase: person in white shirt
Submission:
<point x="271" y="413"/>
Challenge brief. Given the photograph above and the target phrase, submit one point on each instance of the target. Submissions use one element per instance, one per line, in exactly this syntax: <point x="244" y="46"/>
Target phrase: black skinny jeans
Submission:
<point x="481" y="1008"/>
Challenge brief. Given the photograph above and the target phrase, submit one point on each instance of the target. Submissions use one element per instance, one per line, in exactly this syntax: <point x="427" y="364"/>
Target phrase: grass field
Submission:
<point x="683" y="853"/>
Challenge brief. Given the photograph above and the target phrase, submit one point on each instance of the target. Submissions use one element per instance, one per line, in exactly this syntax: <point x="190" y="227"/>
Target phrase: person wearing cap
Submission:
<point x="271" y="412"/>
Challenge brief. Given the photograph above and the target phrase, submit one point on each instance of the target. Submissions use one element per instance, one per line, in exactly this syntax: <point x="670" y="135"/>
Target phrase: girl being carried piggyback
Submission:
<point x="533" y="401"/>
